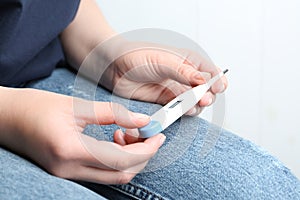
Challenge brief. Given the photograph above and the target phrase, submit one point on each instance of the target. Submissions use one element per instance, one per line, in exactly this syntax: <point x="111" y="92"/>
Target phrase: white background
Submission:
<point x="258" y="40"/>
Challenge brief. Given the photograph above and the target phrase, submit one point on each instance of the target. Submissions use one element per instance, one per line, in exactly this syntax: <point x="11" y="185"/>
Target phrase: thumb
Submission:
<point x="148" y="147"/>
<point x="104" y="113"/>
<point x="184" y="66"/>
<point x="183" y="73"/>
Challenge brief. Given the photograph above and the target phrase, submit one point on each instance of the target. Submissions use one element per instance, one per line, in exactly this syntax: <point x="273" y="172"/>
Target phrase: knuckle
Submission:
<point x="61" y="162"/>
<point x="120" y="113"/>
<point x="181" y="69"/>
<point x="121" y="165"/>
<point x="60" y="152"/>
<point x="116" y="109"/>
<point x="115" y="106"/>
<point x="60" y="157"/>
<point x="125" y="178"/>
<point x="58" y="170"/>
<point x="159" y="57"/>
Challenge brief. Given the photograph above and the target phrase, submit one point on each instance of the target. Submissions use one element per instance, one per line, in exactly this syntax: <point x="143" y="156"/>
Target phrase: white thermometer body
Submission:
<point x="172" y="111"/>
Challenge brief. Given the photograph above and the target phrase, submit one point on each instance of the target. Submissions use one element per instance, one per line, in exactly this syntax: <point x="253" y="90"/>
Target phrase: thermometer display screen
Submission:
<point x="175" y="104"/>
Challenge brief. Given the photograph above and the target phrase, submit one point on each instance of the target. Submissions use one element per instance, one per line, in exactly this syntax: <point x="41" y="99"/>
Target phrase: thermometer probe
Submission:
<point x="176" y="108"/>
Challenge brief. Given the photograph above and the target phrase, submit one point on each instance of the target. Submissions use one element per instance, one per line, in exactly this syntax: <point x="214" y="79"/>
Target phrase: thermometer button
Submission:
<point x="150" y="129"/>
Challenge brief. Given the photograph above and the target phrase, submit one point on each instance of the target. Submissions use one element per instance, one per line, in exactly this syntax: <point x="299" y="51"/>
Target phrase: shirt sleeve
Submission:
<point x="29" y="43"/>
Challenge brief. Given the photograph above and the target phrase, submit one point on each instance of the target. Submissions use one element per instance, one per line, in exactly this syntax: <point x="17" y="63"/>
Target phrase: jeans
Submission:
<point x="233" y="168"/>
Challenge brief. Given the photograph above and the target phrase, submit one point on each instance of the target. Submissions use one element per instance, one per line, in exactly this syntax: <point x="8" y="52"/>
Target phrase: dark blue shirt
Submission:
<point x="29" y="37"/>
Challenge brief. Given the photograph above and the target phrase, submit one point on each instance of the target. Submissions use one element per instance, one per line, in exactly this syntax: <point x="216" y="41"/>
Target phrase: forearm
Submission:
<point x="88" y="29"/>
<point x="8" y="112"/>
<point x="16" y="123"/>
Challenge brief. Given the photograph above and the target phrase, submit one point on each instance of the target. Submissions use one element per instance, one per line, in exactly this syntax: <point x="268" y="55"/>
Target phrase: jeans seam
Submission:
<point x="137" y="192"/>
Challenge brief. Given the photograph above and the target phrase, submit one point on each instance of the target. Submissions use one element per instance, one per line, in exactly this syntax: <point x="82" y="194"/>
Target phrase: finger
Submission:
<point x="204" y="64"/>
<point x="132" y="136"/>
<point x="152" y="145"/>
<point x="201" y="62"/>
<point x="169" y="64"/>
<point x="196" y="110"/>
<point x="189" y="75"/>
<point x="116" y="157"/>
<point x="206" y="76"/>
<point x="90" y="112"/>
<point x="160" y="93"/>
<point x="220" y="86"/>
<point x="207" y="99"/>
<point x="112" y="113"/>
<point x="96" y="175"/>
<point x="182" y="73"/>
<point x="119" y="137"/>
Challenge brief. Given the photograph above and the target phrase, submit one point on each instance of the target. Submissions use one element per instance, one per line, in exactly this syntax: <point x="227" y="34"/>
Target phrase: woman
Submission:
<point x="43" y="127"/>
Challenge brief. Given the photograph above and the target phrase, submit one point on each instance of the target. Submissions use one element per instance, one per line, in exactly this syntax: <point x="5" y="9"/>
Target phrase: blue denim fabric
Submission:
<point x="234" y="168"/>
<point x="21" y="179"/>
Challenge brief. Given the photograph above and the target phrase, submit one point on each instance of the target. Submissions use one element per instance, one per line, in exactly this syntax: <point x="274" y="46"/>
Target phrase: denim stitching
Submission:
<point x="137" y="192"/>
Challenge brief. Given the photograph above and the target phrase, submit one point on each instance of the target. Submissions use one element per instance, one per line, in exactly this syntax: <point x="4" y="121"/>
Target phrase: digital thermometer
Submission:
<point x="176" y="108"/>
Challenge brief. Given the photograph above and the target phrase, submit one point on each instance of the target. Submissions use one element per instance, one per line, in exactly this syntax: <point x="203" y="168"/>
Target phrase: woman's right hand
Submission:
<point x="47" y="128"/>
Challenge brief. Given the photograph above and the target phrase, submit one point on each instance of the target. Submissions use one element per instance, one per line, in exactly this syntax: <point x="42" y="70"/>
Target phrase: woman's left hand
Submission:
<point x="159" y="75"/>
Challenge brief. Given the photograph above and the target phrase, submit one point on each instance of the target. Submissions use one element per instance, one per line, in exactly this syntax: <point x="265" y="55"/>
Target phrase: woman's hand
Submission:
<point x="47" y="128"/>
<point x="150" y="74"/>
<point x="158" y="75"/>
<point x="155" y="74"/>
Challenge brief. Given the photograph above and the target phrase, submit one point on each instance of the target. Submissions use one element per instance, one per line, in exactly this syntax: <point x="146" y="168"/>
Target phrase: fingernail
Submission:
<point x="162" y="139"/>
<point x="221" y="87"/>
<point x="121" y="137"/>
<point x="199" y="76"/>
<point x="193" y="111"/>
<point x="141" y="116"/>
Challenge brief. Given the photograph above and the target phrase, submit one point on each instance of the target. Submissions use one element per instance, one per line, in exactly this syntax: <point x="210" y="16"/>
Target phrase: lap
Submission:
<point x="230" y="167"/>
<point x="21" y="179"/>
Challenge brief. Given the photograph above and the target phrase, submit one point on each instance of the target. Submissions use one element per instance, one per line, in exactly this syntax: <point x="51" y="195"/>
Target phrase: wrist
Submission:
<point x="8" y="113"/>
<point x="99" y="65"/>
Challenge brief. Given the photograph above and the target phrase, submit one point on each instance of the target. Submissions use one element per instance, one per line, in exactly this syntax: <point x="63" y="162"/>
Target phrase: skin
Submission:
<point x="46" y="128"/>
